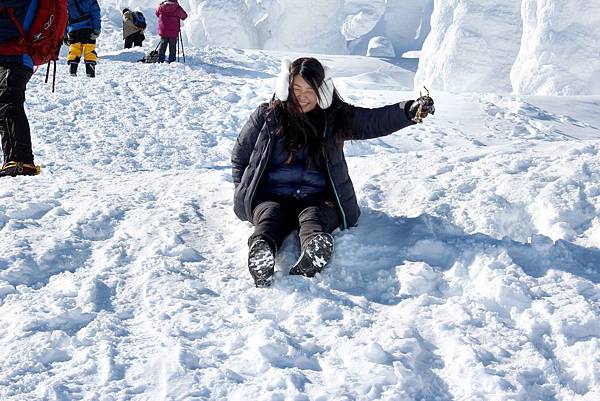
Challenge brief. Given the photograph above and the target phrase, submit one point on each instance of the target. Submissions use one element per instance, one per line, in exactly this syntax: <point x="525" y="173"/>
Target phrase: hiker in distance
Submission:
<point x="20" y="22"/>
<point x="170" y="14"/>
<point x="83" y="28"/>
<point x="134" y="24"/>
<point x="289" y="169"/>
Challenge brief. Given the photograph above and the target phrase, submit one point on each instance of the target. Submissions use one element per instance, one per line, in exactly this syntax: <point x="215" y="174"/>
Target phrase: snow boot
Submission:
<point x="13" y="169"/>
<point x="73" y="68"/>
<point x="261" y="263"/>
<point x="90" y="69"/>
<point x="316" y="254"/>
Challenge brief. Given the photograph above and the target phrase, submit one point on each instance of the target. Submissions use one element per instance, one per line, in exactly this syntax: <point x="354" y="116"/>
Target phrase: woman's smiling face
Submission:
<point x="304" y="93"/>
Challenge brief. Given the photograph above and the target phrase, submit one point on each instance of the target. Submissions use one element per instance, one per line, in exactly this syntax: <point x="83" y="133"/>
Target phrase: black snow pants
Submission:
<point x="14" y="127"/>
<point x="135" y="39"/>
<point x="275" y="217"/>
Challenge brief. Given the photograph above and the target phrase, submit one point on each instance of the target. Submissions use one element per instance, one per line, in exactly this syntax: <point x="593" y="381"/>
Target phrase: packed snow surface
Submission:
<point x="473" y="273"/>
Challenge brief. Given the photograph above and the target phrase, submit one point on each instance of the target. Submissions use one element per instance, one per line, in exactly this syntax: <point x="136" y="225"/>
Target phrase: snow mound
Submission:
<point x="381" y="47"/>
<point x="533" y="47"/>
<point x="559" y="51"/>
<point x="471" y="47"/>
<point x="221" y="23"/>
<point x="309" y="25"/>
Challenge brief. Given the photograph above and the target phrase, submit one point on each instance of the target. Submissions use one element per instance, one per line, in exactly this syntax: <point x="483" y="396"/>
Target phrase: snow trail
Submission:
<point x="473" y="274"/>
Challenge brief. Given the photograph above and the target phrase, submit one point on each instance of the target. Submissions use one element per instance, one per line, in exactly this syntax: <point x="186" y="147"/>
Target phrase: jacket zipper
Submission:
<point x="337" y="198"/>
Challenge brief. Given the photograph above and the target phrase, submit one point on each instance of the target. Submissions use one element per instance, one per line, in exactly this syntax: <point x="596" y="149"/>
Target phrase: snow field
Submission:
<point x="473" y="273"/>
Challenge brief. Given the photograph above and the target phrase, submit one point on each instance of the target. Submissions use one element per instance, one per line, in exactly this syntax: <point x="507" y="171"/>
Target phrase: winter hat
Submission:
<point x="125" y="10"/>
<point x="282" y="84"/>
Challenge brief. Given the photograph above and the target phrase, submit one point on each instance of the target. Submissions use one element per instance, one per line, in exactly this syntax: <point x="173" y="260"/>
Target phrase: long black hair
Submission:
<point x="306" y="129"/>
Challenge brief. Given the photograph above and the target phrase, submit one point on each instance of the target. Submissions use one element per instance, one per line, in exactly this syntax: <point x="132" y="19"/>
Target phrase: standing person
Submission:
<point x="169" y="14"/>
<point x="83" y="28"/>
<point x="289" y="169"/>
<point x="134" y="25"/>
<point x="29" y="36"/>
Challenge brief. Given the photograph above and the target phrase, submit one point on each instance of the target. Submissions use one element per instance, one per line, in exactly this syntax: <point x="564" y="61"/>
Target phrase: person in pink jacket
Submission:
<point x="169" y="14"/>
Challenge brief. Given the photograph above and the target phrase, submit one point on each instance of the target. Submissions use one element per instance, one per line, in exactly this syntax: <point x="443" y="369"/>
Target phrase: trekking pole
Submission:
<point x="47" y="72"/>
<point x="182" y="49"/>
<point x="54" y="76"/>
<point x="178" y="49"/>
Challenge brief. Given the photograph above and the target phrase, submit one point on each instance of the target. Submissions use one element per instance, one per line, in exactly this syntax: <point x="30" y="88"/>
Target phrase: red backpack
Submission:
<point x="44" y="38"/>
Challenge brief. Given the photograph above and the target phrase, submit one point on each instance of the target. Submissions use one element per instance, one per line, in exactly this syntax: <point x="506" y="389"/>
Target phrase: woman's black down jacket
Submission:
<point x="253" y="148"/>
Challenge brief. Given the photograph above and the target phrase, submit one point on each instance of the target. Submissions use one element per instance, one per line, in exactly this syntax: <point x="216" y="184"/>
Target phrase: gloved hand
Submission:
<point x="421" y="108"/>
<point x="94" y="35"/>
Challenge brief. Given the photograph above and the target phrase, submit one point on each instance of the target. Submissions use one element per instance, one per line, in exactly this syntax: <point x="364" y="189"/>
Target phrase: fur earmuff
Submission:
<point x="282" y="82"/>
<point x="326" y="90"/>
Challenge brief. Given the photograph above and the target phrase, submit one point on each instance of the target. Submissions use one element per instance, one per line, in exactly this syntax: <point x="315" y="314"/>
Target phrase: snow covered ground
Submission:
<point x="473" y="274"/>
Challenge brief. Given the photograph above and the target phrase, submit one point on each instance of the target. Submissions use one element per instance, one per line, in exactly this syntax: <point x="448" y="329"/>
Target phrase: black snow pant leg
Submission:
<point x="273" y="221"/>
<point x="275" y="217"/>
<point x="14" y="126"/>
<point x="317" y="216"/>
<point x="138" y="38"/>
<point x="135" y="39"/>
<point x="128" y="42"/>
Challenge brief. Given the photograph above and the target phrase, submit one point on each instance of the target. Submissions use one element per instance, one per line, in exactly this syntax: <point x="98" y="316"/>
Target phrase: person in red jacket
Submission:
<point x="169" y="14"/>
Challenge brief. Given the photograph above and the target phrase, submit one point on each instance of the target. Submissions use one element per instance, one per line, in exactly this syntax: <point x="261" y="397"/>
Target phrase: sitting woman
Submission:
<point x="289" y="168"/>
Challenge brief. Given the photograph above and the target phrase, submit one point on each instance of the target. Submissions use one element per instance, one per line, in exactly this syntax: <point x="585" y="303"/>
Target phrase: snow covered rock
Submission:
<point x="380" y="46"/>
<point x="471" y="47"/>
<point x="559" y="51"/>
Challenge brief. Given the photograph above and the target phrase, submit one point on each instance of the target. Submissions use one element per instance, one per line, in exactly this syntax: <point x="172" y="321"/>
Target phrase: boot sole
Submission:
<point x="315" y="256"/>
<point x="261" y="264"/>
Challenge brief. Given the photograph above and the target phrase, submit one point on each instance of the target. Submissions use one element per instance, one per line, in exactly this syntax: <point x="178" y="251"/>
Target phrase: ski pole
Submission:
<point x="182" y="49"/>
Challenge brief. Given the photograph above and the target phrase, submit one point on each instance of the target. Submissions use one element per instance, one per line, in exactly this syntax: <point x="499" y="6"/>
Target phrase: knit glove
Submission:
<point x="94" y="35"/>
